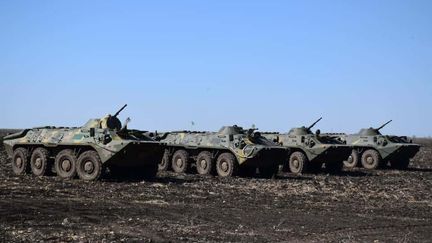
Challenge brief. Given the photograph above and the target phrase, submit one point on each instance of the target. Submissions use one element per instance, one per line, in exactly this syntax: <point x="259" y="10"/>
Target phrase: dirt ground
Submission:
<point x="381" y="206"/>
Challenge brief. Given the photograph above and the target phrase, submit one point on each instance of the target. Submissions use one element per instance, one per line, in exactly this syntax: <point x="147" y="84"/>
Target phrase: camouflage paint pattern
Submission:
<point x="316" y="147"/>
<point x="114" y="144"/>
<point x="388" y="146"/>
<point x="248" y="146"/>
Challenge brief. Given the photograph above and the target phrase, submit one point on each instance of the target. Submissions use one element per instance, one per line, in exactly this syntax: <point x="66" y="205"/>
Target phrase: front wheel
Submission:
<point x="89" y="166"/>
<point x="371" y="159"/>
<point x="226" y="165"/>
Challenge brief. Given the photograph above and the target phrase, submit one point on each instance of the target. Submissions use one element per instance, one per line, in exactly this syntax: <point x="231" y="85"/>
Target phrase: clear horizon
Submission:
<point x="195" y="65"/>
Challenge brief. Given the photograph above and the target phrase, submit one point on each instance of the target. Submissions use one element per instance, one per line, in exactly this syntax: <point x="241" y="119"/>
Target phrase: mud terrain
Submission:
<point x="386" y="205"/>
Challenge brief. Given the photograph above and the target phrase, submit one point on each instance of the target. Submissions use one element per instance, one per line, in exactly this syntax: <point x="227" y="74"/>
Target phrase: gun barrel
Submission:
<point x="118" y="112"/>
<point x="385" y="124"/>
<point x="313" y="124"/>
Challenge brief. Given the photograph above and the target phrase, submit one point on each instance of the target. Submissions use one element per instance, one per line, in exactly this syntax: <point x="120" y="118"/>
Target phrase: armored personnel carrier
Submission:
<point x="85" y="150"/>
<point x="374" y="150"/>
<point x="309" y="151"/>
<point x="228" y="152"/>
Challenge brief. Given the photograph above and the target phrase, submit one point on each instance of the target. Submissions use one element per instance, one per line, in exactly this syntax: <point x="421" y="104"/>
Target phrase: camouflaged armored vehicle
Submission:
<point x="309" y="151"/>
<point x="372" y="150"/>
<point x="228" y="152"/>
<point x="85" y="150"/>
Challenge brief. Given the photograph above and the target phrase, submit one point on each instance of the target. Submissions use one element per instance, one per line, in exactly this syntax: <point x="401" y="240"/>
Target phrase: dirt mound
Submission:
<point x="386" y="205"/>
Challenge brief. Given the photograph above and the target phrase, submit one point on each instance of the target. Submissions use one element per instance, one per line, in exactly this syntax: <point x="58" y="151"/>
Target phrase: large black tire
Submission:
<point x="227" y="165"/>
<point x="298" y="163"/>
<point x="401" y="164"/>
<point x="205" y="163"/>
<point x="20" y="161"/>
<point x="39" y="162"/>
<point x="353" y="160"/>
<point x="180" y="161"/>
<point x="65" y="164"/>
<point x="371" y="159"/>
<point x="334" y="167"/>
<point x="89" y="166"/>
<point x="164" y="163"/>
<point x="268" y="172"/>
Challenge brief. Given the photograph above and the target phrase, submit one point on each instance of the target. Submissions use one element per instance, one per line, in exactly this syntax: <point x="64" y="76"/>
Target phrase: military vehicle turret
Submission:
<point x="228" y="152"/>
<point x="374" y="150"/>
<point x="309" y="151"/>
<point x="85" y="150"/>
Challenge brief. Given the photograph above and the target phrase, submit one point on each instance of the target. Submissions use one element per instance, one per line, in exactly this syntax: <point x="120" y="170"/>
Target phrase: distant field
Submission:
<point x="423" y="141"/>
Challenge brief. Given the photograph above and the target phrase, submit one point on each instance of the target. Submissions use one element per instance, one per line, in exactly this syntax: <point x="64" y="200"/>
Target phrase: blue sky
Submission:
<point x="275" y="64"/>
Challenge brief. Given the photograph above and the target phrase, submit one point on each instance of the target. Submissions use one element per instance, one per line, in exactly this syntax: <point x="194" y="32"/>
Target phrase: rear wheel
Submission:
<point x="205" y="163"/>
<point x="65" y="164"/>
<point x="20" y="161"/>
<point x="371" y="159"/>
<point x="89" y="166"/>
<point x="164" y="163"/>
<point x="352" y="160"/>
<point x="298" y="162"/>
<point x="180" y="161"/>
<point x="39" y="161"/>
<point x="226" y="165"/>
<point x="401" y="164"/>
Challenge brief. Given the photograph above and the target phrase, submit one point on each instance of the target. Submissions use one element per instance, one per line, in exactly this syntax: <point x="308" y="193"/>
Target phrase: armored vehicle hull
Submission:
<point x="229" y="152"/>
<point x="308" y="151"/>
<point x="85" y="151"/>
<point x="373" y="150"/>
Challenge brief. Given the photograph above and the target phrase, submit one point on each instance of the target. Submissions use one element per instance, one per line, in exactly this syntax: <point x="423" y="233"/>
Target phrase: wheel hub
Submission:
<point x="224" y="166"/>
<point x="350" y="159"/>
<point x="296" y="163"/>
<point x="88" y="167"/>
<point x="203" y="164"/>
<point x="369" y="160"/>
<point x="38" y="163"/>
<point x="66" y="165"/>
<point x="179" y="163"/>
<point x="18" y="162"/>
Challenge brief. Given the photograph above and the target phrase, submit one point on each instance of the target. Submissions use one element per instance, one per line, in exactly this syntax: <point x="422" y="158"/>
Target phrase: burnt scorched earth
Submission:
<point x="386" y="205"/>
